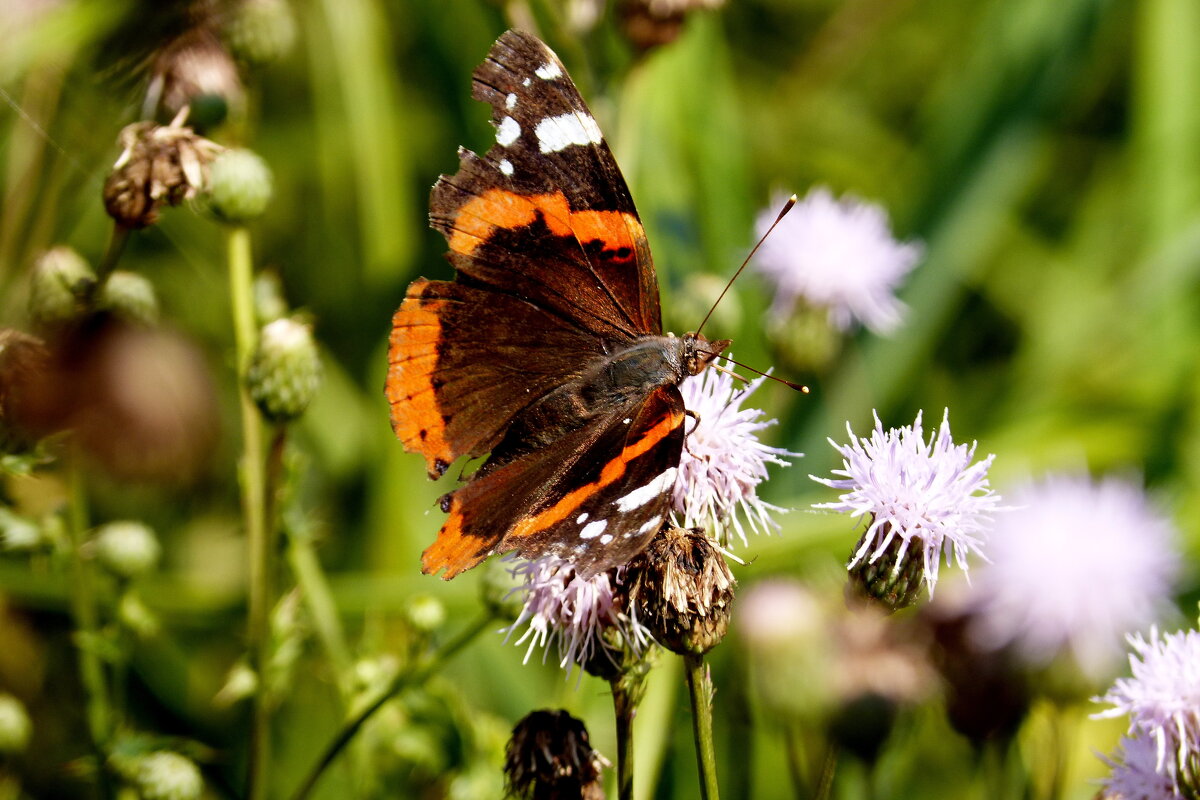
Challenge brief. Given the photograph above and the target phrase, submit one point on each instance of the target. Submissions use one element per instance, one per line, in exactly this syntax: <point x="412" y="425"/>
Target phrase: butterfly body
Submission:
<point x="546" y="352"/>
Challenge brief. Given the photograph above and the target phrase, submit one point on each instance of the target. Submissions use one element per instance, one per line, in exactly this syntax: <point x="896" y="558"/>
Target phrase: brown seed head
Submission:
<point x="550" y="757"/>
<point x="160" y="165"/>
<point x="682" y="590"/>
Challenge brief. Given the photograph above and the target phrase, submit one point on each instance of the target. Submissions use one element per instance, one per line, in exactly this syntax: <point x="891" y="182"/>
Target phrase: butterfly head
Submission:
<point x="698" y="351"/>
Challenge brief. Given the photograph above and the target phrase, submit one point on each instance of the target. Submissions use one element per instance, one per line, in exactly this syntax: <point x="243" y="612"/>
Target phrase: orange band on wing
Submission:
<point x="478" y="218"/>
<point x="412" y="358"/>
<point x="611" y="473"/>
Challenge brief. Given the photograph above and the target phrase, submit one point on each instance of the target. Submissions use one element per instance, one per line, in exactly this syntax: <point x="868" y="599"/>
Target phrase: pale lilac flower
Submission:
<point x="1135" y="774"/>
<point x="1074" y="566"/>
<point x="838" y="255"/>
<point x="922" y="494"/>
<point x="571" y="613"/>
<point x="1162" y="699"/>
<point x="723" y="461"/>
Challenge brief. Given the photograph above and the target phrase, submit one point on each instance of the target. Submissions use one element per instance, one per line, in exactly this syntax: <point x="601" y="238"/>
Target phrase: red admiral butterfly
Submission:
<point x="546" y="351"/>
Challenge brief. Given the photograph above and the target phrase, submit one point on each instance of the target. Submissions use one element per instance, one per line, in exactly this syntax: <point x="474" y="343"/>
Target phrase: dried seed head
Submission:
<point x="194" y="67"/>
<point x="681" y="589"/>
<point x="159" y="165"/>
<point x="550" y="756"/>
<point x="23" y="363"/>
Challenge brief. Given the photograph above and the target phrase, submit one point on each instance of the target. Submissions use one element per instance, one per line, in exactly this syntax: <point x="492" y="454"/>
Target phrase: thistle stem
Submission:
<point x="116" y="246"/>
<point x="401" y="682"/>
<point x="700" y="690"/>
<point x="252" y="473"/>
<point x="824" y="788"/>
<point x="83" y="608"/>
<point x="625" y="699"/>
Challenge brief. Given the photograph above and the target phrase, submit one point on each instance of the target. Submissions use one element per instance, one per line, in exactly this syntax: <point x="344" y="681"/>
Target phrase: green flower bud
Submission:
<point x="18" y="534"/>
<point x="60" y="286"/>
<point x="136" y="617"/>
<point x="285" y="371"/>
<point x="130" y="296"/>
<point x="127" y="549"/>
<point x="15" y="727"/>
<point x="239" y="186"/>
<point x="497" y="587"/>
<point x="269" y="302"/>
<point x="425" y="613"/>
<point x="168" y="776"/>
<point x="241" y="682"/>
<point x="261" y="31"/>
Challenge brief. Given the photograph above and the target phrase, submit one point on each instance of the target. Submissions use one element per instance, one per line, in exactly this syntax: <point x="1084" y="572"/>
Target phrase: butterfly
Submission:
<point x="546" y="352"/>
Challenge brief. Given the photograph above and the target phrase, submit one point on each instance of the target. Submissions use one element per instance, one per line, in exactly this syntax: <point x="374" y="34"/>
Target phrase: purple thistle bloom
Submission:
<point x="1063" y="537"/>
<point x="1135" y="774"/>
<point x="562" y="609"/>
<point x="838" y="255"/>
<point x="723" y="461"/>
<point x="927" y="494"/>
<point x="1162" y="699"/>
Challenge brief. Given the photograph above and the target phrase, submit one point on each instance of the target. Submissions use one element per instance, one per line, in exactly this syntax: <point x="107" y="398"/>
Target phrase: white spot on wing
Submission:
<point x="548" y="71"/>
<point x="526" y="82"/>
<point x="650" y="525"/>
<point x="593" y="529"/>
<point x="511" y="101"/>
<point x="505" y="166"/>
<point x="565" y="130"/>
<point x="582" y="518"/>
<point x="606" y="538"/>
<point x="644" y="494"/>
<point x="507" y="132"/>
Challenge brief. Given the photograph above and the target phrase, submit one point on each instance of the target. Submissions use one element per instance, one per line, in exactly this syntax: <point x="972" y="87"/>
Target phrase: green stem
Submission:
<point x="116" y="246"/>
<point x="84" y="610"/>
<point x="700" y="690"/>
<point x="252" y="473"/>
<point x="795" y="760"/>
<point x="828" y="770"/>
<point x="401" y="682"/>
<point x="306" y="568"/>
<point x="625" y="706"/>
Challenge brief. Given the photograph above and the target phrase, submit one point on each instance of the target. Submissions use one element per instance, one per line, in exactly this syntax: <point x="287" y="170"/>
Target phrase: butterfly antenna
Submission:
<point x="791" y="201"/>
<point x="799" y="387"/>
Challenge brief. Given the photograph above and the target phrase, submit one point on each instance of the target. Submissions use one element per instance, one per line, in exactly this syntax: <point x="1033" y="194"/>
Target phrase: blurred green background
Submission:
<point x="1047" y="154"/>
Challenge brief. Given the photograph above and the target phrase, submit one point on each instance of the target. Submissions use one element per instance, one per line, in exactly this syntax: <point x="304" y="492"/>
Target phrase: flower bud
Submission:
<point x="681" y="589"/>
<point x="15" y="727"/>
<point x="261" y="31"/>
<point x="891" y="581"/>
<point x="241" y="682"/>
<point x="269" y="301"/>
<point x="129" y="296"/>
<point x="18" y="534"/>
<point x="136" y="617"/>
<point x="425" y="613"/>
<point x="550" y="756"/>
<point x="240" y="186"/>
<point x="60" y="286"/>
<point x="165" y="775"/>
<point x="285" y="371"/>
<point x="127" y="548"/>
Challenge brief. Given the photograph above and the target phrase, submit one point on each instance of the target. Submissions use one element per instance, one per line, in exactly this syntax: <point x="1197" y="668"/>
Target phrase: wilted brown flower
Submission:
<point x="159" y="165"/>
<point x="23" y="364"/>
<point x="139" y="400"/>
<point x="652" y="23"/>
<point x="194" y="65"/>
<point x="681" y="589"/>
<point x="550" y="757"/>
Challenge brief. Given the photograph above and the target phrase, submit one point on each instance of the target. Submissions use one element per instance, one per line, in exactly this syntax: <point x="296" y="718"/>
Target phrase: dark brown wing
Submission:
<point x="595" y="499"/>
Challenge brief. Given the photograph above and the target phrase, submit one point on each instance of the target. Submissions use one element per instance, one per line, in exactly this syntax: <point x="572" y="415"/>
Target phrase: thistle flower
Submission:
<point x="1134" y="772"/>
<point x="915" y="495"/>
<point x="1063" y="537"/>
<point x="723" y="461"/>
<point x="573" y="614"/>
<point x="551" y="756"/>
<point x="1162" y="699"/>
<point x="837" y="255"/>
